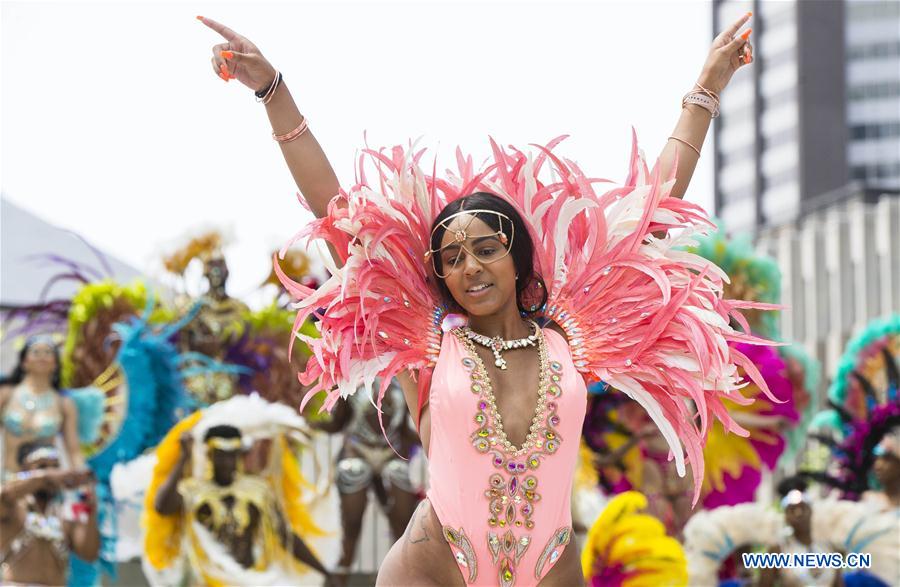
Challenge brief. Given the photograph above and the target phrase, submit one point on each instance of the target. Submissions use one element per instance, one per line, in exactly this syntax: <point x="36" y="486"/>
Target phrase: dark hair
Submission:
<point x="221" y="431"/>
<point x="521" y="249"/>
<point x="18" y="373"/>
<point x="26" y="448"/>
<point x="789" y="484"/>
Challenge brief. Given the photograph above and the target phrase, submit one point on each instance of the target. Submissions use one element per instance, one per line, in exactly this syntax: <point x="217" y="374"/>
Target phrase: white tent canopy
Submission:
<point x="24" y="238"/>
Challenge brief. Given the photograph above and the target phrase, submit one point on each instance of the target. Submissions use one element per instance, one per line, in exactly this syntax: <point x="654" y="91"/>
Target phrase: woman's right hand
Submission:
<point x="239" y="59"/>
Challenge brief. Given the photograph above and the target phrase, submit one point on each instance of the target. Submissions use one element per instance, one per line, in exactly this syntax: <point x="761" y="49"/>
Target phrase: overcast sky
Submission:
<point x="114" y="125"/>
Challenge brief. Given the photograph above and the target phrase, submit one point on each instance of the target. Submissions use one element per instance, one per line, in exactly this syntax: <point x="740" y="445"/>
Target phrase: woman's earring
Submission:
<point x="517" y="276"/>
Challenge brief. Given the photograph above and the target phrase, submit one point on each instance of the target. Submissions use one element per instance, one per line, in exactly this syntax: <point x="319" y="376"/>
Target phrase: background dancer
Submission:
<point x="36" y="535"/>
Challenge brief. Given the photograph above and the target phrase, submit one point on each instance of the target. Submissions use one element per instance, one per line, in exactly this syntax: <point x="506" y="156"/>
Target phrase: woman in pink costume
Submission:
<point x="499" y="401"/>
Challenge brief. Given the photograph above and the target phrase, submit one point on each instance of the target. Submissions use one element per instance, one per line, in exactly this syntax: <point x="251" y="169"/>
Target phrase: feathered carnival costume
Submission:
<point x="627" y="548"/>
<point x="640" y="313"/>
<point x="734" y="465"/>
<point x="865" y="409"/>
<point x="121" y="372"/>
<point x="279" y="489"/>
<point x="713" y="537"/>
<point x="251" y="354"/>
<point x="865" y="406"/>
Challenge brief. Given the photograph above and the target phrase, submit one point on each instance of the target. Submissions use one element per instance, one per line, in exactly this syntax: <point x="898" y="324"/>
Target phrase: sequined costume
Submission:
<point x="29" y="416"/>
<point x="373" y="452"/>
<point x="523" y="493"/>
<point x="278" y="492"/>
<point x="638" y="313"/>
<point x="219" y="321"/>
<point x="39" y="526"/>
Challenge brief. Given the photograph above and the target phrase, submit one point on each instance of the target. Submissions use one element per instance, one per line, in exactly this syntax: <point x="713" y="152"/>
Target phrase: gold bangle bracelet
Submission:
<point x="696" y="150"/>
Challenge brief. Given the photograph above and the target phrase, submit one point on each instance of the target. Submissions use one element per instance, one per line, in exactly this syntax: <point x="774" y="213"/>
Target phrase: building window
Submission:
<point x="882" y="130"/>
<point x="887" y="170"/>
<point x="872" y="10"/>
<point x="889" y="89"/>
<point x="874" y="50"/>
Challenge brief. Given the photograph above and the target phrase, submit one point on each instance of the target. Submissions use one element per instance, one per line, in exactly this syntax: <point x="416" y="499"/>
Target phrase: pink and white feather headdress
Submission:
<point x="640" y="312"/>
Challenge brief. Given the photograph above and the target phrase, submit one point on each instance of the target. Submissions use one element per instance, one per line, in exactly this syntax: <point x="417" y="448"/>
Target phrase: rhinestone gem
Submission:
<point x="382" y="334"/>
<point x="468" y="363"/>
<point x="513" y="486"/>
<point x="556" y="366"/>
<point x="606" y="270"/>
<point x="461" y="559"/>
<point x="554" y="556"/>
<point x="628" y="362"/>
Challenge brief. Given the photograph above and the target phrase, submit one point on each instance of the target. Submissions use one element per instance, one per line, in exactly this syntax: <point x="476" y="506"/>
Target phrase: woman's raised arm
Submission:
<point x="728" y="53"/>
<point x="240" y="59"/>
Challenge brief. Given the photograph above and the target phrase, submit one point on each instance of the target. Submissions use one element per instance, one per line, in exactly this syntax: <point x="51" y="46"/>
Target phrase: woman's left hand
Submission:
<point x="729" y="52"/>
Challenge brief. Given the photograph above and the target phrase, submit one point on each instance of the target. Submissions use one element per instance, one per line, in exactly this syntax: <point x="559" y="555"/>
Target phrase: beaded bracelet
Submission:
<point x="703" y="100"/>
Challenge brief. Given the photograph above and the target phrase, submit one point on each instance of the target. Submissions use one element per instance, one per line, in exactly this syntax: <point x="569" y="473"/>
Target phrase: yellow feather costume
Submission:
<point x="276" y="494"/>
<point x="631" y="549"/>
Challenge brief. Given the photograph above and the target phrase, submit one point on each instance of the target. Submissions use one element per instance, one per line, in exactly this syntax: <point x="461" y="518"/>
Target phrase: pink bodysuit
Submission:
<point x="505" y="513"/>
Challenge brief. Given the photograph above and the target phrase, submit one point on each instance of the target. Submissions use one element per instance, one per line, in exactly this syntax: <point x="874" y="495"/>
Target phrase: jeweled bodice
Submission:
<point x="505" y="509"/>
<point x="32" y="415"/>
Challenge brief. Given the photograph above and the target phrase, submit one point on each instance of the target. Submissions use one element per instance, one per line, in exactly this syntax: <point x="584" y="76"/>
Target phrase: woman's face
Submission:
<point x="480" y="288"/>
<point x="40" y="359"/>
<point x="798" y="516"/>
